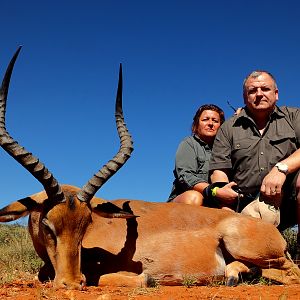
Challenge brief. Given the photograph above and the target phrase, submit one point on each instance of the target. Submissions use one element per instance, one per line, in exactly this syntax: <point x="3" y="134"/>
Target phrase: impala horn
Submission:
<point x="21" y="155"/>
<point x="126" y="147"/>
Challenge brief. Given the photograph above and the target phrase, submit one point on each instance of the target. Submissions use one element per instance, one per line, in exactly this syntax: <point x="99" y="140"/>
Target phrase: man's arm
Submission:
<point x="219" y="175"/>
<point x="274" y="180"/>
<point x="220" y="165"/>
<point x="226" y="195"/>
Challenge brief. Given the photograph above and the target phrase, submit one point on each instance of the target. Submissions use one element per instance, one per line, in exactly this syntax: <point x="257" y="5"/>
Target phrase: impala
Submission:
<point x="83" y="239"/>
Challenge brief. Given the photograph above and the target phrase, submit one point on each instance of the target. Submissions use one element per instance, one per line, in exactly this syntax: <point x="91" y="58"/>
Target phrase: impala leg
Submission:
<point x="233" y="270"/>
<point x="289" y="273"/>
<point x="46" y="272"/>
<point x="124" y="279"/>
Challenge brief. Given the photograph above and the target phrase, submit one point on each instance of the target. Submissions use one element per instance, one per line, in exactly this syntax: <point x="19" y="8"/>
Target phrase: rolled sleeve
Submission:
<point x="294" y="114"/>
<point x="191" y="164"/>
<point x="221" y="153"/>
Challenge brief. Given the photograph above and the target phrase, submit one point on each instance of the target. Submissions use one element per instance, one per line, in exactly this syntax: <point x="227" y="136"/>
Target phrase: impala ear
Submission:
<point x="22" y="207"/>
<point x="109" y="210"/>
<point x="18" y="209"/>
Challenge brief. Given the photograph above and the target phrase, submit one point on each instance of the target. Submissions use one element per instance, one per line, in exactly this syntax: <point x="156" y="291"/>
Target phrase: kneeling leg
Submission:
<point x="233" y="270"/>
<point x="124" y="279"/>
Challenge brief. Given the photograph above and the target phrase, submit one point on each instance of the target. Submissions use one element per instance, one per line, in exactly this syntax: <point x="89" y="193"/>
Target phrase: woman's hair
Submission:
<point x="200" y="111"/>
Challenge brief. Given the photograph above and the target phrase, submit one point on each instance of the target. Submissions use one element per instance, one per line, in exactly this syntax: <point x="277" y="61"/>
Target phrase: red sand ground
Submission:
<point x="27" y="290"/>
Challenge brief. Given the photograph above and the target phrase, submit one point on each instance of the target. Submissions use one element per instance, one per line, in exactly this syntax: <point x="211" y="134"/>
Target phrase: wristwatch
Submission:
<point x="283" y="168"/>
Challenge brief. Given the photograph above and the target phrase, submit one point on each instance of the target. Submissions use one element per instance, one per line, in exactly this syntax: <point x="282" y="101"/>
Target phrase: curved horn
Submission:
<point x="21" y="155"/>
<point x="93" y="185"/>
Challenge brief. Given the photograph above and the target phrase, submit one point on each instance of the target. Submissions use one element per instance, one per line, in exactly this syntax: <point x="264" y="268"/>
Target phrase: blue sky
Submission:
<point x="176" y="56"/>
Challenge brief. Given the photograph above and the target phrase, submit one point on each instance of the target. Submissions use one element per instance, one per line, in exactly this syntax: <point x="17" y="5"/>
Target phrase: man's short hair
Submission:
<point x="255" y="74"/>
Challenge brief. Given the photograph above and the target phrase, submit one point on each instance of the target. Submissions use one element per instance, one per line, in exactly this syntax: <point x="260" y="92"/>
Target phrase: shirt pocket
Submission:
<point x="282" y="146"/>
<point x="242" y="147"/>
<point x="242" y="153"/>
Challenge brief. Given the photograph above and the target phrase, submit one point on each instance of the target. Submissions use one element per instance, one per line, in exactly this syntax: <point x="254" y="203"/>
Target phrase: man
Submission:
<point x="259" y="151"/>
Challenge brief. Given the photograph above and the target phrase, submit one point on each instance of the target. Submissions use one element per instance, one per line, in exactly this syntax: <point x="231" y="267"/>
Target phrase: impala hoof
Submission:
<point x="232" y="281"/>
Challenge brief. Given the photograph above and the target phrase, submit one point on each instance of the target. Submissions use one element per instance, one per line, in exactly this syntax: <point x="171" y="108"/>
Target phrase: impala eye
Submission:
<point x="45" y="222"/>
<point x="49" y="232"/>
<point x="48" y="226"/>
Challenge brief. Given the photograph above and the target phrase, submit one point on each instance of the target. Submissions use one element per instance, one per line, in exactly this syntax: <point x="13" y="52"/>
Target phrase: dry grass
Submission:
<point x="18" y="258"/>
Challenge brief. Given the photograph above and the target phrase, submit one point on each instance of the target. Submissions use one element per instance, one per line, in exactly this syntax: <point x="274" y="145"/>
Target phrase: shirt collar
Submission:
<point x="197" y="138"/>
<point x="277" y="113"/>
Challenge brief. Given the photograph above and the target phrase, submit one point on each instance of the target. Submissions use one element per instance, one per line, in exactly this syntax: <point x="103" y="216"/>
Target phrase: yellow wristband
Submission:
<point x="214" y="191"/>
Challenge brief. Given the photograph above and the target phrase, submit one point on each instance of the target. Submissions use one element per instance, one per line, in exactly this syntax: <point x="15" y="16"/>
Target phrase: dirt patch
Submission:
<point x="27" y="290"/>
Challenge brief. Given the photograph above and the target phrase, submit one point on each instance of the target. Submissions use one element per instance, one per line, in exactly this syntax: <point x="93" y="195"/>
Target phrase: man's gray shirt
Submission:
<point x="249" y="155"/>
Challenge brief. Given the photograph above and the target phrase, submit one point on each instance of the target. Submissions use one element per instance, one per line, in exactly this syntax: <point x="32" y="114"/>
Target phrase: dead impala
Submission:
<point x="80" y="242"/>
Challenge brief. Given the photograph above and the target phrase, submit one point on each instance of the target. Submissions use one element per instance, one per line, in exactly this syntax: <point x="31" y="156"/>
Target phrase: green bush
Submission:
<point x="290" y="235"/>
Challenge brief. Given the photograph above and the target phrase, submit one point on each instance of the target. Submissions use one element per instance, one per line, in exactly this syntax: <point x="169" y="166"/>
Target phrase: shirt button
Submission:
<point x="261" y="153"/>
<point x="262" y="168"/>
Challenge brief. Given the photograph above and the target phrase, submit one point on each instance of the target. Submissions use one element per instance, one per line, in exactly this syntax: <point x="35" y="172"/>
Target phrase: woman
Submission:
<point x="193" y="154"/>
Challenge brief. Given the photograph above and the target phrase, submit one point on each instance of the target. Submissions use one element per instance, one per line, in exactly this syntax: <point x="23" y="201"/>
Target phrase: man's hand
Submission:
<point x="272" y="183"/>
<point x="226" y="195"/>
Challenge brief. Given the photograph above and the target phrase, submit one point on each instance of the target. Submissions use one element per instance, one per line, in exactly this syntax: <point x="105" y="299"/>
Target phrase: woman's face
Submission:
<point x="209" y="123"/>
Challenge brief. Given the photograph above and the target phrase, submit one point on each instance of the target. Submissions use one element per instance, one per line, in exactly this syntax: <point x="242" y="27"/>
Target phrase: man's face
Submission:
<point x="260" y="93"/>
